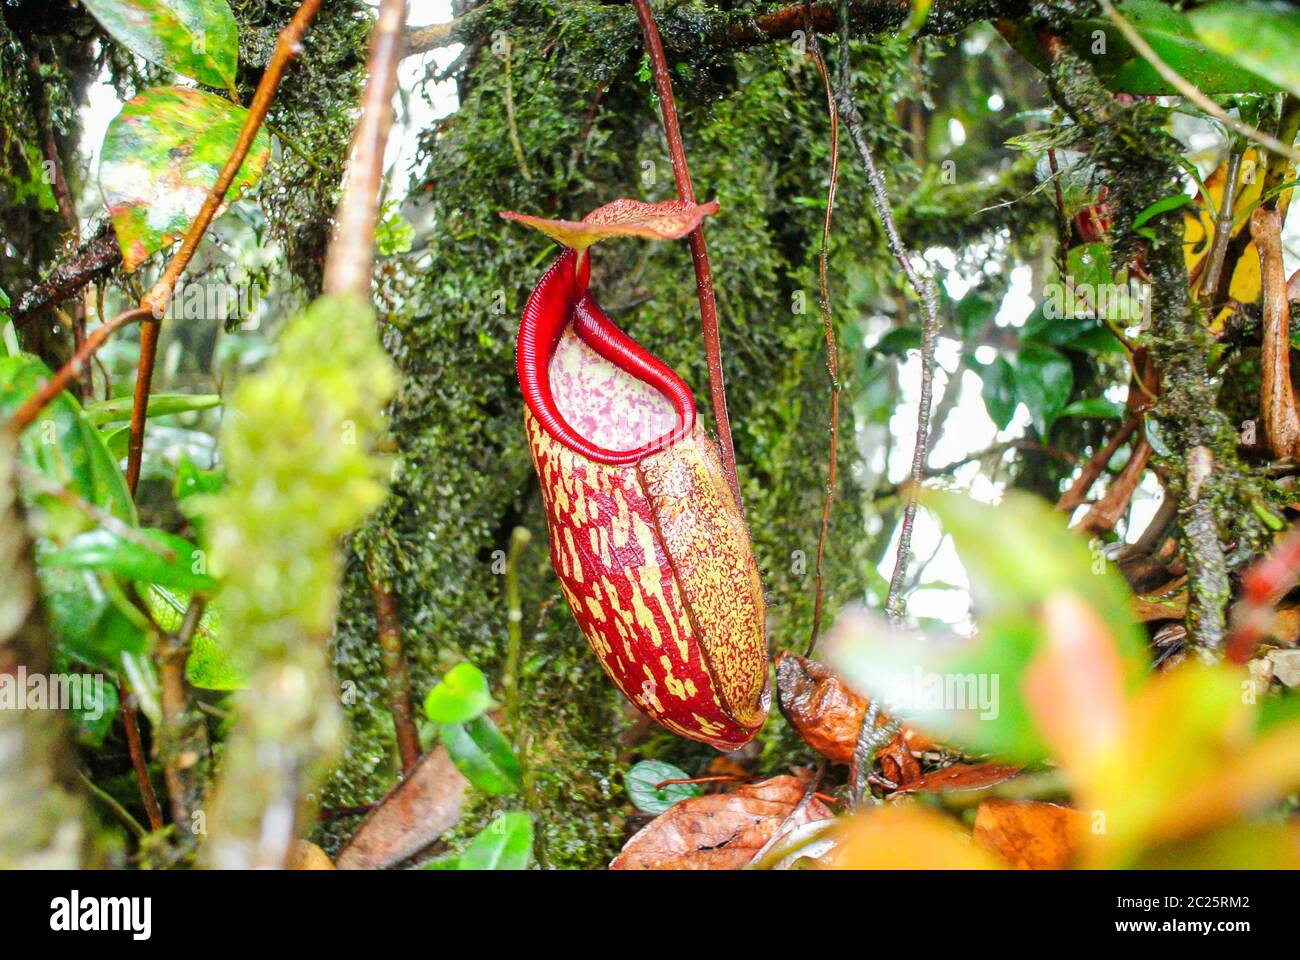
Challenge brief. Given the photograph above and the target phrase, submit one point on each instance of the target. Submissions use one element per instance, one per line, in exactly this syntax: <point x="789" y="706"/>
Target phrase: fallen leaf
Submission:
<point x="669" y="220"/>
<point x="906" y="837"/>
<point x="308" y="856"/>
<point x="1286" y="666"/>
<point x="961" y="776"/>
<point x="720" y="831"/>
<point x="822" y="710"/>
<point x="828" y="716"/>
<point x="414" y="814"/>
<point x="1027" y="834"/>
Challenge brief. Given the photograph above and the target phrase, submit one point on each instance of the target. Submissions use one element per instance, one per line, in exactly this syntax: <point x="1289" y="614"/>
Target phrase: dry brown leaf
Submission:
<point x="1162" y="604"/>
<point x="308" y="856"/>
<point x="961" y="776"/>
<point x="412" y="816"/>
<point x="669" y="220"/>
<point x="906" y="837"/>
<point x="1027" y="834"/>
<point x="720" y="831"/>
<point x="828" y="715"/>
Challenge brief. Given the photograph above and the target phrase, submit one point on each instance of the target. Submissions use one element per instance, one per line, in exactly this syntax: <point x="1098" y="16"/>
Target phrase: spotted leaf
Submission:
<point x="161" y="156"/>
<point x="195" y="38"/>
<point x="670" y="220"/>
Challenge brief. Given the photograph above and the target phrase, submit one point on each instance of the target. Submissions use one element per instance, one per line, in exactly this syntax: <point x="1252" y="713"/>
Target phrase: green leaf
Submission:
<point x="1261" y="37"/>
<point x="61" y="446"/>
<point x="1169" y="32"/>
<point x="160" y="158"/>
<point x="150" y="556"/>
<point x="195" y="38"/>
<point x="212" y="664"/>
<point x="160" y="405"/>
<point x="504" y="844"/>
<point x="461" y="696"/>
<point x="483" y="755"/>
<point x="642" y="782"/>
<point x="1009" y="586"/>
<point x="94" y="707"/>
<point x="1044" y="379"/>
<point x="999" y="391"/>
<point x="899" y="340"/>
<point x="1163" y="205"/>
<point x="88" y="623"/>
<point x="1093" y="408"/>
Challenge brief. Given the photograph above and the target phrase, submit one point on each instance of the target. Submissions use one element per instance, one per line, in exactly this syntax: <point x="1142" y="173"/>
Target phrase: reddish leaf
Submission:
<point x="719" y="831"/>
<point x="961" y="776"/>
<point x="670" y="220"/>
<point x="1029" y="835"/>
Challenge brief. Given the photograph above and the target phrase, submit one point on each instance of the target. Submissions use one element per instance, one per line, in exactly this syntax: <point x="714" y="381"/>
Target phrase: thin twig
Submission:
<point x="1222" y="224"/>
<point x="1190" y="91"/>
<point x="1078" y="492"/>
<point x="119" y="811"/>
<point x="699" y="251"/>
<point x="832" y="349"/>
<point x="184" y="734"/>
<point x="388" y="628"/>
<point x="349" y="263"/>
<point x="31" y="408"/>
<point x="131" y="722"/>
<point x="288" y="46"/>
<point x="515" y="143"/>
<point x="514" y="630"/>
<point x="925" y="291"/>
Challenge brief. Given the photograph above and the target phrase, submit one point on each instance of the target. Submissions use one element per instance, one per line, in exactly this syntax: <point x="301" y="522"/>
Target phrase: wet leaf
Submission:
<point x="906" y="837"/>
<point x="822" y="710"/>
<point x="483" y="755"/>
<point x="669" y="220"/>
<point x="1261" y="37"/>
<point x="415" y="813"/>
<point x="160" y="158"/>
<point x="504" y="844"/>
<point x="1029" y="835"/>
<point x="195" y="38"/>
<point x="719" y="831"/>
<point x="642" y="784"/>
<point x="961" y="776"/>
<point x="999" y="391"/>
<point x="149" y="556"/>
<point x="460" y="696"/>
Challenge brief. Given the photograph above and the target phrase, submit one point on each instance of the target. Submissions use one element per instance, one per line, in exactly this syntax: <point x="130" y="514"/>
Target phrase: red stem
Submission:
<point x="699" y="251"/>
<point x="832" y="349"/>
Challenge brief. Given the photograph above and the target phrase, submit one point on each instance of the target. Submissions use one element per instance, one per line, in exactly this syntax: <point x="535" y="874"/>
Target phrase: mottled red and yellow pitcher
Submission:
<point x="646" y="537"/>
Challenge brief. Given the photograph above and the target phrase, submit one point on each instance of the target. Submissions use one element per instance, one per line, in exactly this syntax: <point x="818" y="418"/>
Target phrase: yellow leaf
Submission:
<point x="905" y="837"/>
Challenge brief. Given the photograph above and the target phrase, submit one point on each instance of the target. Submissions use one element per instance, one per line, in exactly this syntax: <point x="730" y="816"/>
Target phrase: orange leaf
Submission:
<point x="961" y="776"/>
<point x="828" y="715"/>
<point x="670" y="220"/>
<point x="719" y="831"/>
<point x="1027" y="834"/>
<point x="1075" y="687"/>
<point x="900" y="837"/>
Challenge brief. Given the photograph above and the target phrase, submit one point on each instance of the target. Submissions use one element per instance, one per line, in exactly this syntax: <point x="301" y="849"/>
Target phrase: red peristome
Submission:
<point x="649" y="546"/>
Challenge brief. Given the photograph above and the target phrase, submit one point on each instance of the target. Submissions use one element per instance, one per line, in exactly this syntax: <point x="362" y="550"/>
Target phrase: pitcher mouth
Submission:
<point x="561" y="303"/>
